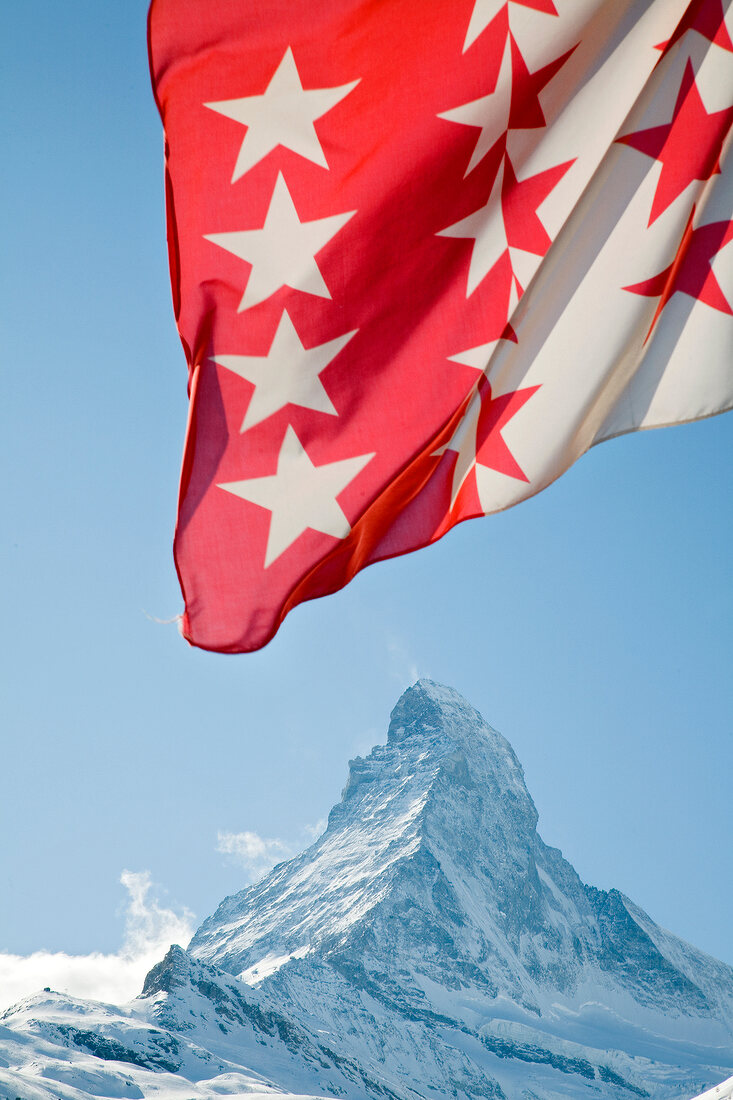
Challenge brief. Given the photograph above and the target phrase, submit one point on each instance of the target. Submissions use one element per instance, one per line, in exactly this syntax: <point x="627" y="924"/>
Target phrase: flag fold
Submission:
<point x="423" y="257"/>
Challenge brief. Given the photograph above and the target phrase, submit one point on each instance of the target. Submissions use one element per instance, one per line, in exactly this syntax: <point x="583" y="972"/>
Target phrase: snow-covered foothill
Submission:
<point x="723" y="1091"/>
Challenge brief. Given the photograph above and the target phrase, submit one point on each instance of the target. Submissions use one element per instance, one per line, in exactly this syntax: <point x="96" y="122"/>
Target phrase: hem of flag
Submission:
<point x="356" y="566"/>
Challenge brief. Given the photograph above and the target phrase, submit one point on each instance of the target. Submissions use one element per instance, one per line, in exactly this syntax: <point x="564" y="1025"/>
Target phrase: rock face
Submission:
<point x="428" y="945"/>
<point x="436" y="939"/>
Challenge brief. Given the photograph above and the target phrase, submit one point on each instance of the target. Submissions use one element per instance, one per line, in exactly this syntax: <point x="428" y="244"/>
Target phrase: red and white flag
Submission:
<point x="424" y="255"/>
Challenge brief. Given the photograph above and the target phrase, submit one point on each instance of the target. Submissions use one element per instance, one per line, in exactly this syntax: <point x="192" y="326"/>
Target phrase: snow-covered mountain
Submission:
<point x="428" y="945"/>
<point x="433" y="935"/>
<point x="194" y="1032"/>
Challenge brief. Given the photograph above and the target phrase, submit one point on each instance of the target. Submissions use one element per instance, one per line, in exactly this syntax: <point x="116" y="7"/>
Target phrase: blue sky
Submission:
<point x="591" y="625"/>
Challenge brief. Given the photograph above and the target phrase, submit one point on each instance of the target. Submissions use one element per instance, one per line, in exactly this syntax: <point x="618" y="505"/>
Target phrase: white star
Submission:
<point x="484" y="11"/>
<point x="283" y="251"/>
<point x="300" y="495"/>
<point x="482" y="14"/>
<point x="477" y="357"/>
<point x="287" y="375"/>
<point x="488" y="229"/>
<point x="491" y="112"/>
<point x="486" y="226"/>
<point x="463" y="440"/>
<point x="283" y="115"/>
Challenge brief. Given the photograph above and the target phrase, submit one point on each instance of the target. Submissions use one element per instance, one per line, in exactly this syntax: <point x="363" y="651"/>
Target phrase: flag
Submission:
<point x="423" y="256"/>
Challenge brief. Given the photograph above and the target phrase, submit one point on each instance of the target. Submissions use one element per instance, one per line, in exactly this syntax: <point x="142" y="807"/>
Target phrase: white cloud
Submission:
<point x="312" y="832"/>
<point x="256" y="854"/>
<point x="150" y="929"/>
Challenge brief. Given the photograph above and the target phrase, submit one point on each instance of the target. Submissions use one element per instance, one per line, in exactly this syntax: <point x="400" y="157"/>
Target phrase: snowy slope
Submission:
<point x="193" y="1032"/>
<point x="723" y="1091"/>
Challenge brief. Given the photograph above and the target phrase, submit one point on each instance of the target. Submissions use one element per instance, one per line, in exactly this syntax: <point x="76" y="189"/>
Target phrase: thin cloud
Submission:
<point x="150" y="929"/>
<point x="256" y="854"/>
<point x="312" y="832"/>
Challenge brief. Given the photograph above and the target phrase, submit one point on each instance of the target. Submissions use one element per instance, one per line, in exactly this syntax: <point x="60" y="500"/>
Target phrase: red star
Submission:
<point x="482" y="17"/>
<point x="519" y="202"/>
<point x="525" y="112"/>
<point x="508" y="220"/>
<point x="488" y="449"/>
<point x="690" y="271"/>
<point x="708" y="19"/>
<point x="688" y="146"/>
<point x="546" y="6"/>
<point x="496" y="412"/>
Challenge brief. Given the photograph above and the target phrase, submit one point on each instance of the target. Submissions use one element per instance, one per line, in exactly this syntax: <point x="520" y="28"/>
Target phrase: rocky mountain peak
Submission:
<point x="445" y="783"/>
<point x="434" y="732"/>
<point x="445" y="788"/>
<point x="172" y="972"/>
<point x="442" y="806"/>
<point x="432" y="902"/>
<point x="429" y="707"/>
<point x="438" y="742"/>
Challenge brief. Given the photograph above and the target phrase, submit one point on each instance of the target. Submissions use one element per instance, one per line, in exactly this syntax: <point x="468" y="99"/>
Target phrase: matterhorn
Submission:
<point x="429" y="945"/>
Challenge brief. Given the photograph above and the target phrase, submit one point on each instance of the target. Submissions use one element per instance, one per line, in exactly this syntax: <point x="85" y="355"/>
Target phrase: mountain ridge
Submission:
<point x="428" y="945"/>
<point x="432" y="862"/>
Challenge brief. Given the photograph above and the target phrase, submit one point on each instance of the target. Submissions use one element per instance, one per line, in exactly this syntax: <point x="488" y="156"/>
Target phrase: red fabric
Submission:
<point x="397" y="282"/>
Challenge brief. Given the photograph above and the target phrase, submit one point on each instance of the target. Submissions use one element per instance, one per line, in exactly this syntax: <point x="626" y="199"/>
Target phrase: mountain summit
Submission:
<point x="435" y="936"/>
<point x="445" y="792"/>
<point x="428" y="945"/>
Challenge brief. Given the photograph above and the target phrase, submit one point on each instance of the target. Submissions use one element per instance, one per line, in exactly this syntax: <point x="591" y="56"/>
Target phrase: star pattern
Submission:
<point x="479" y="357"/>
<point x="508" y="222"/>
<point x="283" y="252"/>
<point x="690" y="272"/>
<point x="478" y="440"/>
<point x="526" y="112"/>
<point x="284" y="115"/>
<point x="300" y="495"/>
<point x="495" y="413"/>
<point x="485" y="10"/>
<point x="491" y="112"/>
<point x="688" y="146"/>
<point x="326" y="259"/>
<point x="708" y="19"/>
<point x="513" y="104"/>
<point x="287" y="375"/>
